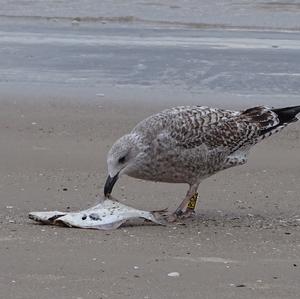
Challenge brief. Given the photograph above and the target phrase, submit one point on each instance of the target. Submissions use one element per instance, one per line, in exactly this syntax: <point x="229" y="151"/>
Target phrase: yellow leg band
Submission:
<point x="193" y="201"/>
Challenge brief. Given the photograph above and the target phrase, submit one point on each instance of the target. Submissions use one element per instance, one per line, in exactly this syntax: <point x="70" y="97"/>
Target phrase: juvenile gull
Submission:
<point x="187" y="144"/>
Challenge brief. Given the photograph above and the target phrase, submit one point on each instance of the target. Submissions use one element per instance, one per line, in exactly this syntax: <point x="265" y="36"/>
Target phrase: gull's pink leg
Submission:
<point x="187" y="206"/>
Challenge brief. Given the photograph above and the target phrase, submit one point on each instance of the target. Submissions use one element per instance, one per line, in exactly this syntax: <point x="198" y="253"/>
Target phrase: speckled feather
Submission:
<point x="189" y="143"/>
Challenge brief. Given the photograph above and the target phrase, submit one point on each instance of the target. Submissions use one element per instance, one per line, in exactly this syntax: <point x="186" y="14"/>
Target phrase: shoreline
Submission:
<point x="69" y="89"/>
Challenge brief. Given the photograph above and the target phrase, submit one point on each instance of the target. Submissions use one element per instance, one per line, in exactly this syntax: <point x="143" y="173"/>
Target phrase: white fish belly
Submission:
<point x="106" y="215"/>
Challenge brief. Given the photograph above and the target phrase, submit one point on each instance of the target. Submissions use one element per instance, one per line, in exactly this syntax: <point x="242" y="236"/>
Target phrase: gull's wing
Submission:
<point x="245" y="130"/>
<point x="238" y="131"/>
<point x="188" y="121"/>
<point x="193" y="126"/>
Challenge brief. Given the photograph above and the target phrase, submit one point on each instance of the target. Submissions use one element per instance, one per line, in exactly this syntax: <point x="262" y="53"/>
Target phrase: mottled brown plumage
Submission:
<point x="190" y="143"/>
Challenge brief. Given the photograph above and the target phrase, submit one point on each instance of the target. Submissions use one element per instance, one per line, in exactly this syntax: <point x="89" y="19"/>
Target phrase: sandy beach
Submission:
<point x="243" y="242"/>
<point x="75" y="76"/>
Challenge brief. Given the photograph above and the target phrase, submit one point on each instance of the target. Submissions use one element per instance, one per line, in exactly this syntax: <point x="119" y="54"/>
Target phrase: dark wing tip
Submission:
<point x="287" y="114"/>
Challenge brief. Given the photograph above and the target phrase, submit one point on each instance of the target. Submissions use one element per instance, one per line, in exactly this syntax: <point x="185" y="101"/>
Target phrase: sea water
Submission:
<point x="247" y="50"/>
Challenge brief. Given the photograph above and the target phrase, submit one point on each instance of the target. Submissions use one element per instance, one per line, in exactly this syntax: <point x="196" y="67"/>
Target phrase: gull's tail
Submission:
<point x="270" y="121"/>
<point x="287" y="115"/>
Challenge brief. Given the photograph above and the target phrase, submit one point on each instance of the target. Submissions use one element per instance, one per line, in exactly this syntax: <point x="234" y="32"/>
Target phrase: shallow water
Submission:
<point x="195" y="13"/>
<point x="243" y="49"/>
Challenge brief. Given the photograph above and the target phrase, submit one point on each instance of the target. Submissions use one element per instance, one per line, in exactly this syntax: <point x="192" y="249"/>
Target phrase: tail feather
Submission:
<point x="262" y="122"/>
<point x="271" y="120"/>
<point x="287" y="115"/>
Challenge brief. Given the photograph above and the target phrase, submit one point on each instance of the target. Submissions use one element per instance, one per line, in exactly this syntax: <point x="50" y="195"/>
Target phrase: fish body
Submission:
<point x="106" y="215"/>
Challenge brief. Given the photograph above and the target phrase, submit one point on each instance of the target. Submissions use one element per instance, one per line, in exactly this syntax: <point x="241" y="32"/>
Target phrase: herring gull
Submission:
<point x="187" y="144"/>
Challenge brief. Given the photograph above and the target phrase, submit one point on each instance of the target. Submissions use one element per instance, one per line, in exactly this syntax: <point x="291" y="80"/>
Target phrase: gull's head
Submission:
<point x="121" y="159"/>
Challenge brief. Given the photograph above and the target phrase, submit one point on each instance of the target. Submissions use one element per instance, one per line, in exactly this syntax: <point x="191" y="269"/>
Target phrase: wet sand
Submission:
<point x="75" y="76"/>
<point x="243" y="243"/>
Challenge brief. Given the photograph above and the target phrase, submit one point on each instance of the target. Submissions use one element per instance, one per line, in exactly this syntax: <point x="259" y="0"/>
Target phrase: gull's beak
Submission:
<point x="109" y="184"/>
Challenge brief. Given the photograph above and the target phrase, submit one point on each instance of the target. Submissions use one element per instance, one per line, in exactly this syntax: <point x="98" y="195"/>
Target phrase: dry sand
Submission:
<point x="243" y="243"/>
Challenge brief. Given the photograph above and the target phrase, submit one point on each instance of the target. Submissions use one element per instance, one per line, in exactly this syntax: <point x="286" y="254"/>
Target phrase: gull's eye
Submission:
<point x="121" y="160"/>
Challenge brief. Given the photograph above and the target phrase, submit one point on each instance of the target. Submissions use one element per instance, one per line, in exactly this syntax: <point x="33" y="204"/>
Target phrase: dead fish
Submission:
<point x="45" y="217"/>
<point x="106" y="215"/>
